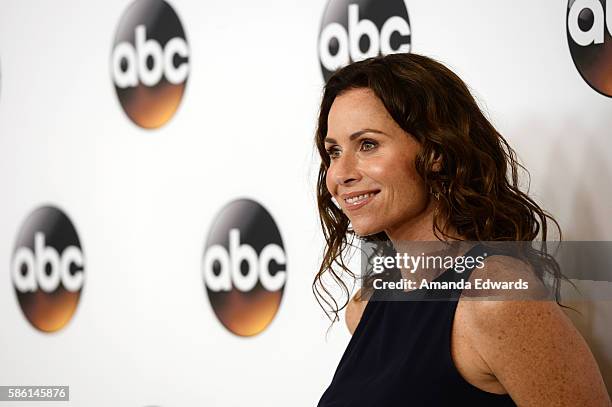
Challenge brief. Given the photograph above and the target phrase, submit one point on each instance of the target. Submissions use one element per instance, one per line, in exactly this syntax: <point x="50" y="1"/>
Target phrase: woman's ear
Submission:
<point x="436" y="158"/>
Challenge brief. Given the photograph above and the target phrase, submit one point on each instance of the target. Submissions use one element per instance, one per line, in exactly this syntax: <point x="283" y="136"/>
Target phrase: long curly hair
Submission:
<point x="477" y="187"/>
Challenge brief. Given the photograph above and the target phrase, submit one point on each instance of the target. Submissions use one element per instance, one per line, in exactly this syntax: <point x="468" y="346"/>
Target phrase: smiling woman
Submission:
<point x="372" y="169"/>
<point x="406" y="156"/>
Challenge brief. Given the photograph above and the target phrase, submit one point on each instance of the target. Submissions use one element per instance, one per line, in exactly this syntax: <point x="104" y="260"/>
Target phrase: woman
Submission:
<point x="407" y="155"/>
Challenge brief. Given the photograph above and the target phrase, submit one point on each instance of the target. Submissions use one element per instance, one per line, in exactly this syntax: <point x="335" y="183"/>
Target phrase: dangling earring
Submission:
<point x="437" y="193"/>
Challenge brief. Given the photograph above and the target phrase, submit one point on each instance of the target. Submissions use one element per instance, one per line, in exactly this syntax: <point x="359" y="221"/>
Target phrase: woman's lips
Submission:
<point x="359" y="202"/>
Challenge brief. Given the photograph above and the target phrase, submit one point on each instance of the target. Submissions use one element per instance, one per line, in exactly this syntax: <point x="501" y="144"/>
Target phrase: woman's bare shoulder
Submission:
<point x="532" y="347"/>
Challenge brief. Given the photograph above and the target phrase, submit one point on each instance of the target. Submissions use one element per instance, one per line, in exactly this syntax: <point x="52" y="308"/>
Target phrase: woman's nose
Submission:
<point x="345" y="171"/>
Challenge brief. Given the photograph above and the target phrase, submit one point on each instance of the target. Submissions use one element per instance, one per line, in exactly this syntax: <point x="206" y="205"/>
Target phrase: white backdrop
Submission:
<point x="142" y="201"/>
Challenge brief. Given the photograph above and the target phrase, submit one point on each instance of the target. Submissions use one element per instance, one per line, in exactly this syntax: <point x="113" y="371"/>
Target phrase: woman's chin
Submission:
<point x="366" y="230"/>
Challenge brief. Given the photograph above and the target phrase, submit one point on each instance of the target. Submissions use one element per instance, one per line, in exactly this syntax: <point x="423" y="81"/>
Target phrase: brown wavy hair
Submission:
<point x="477" y="186"/>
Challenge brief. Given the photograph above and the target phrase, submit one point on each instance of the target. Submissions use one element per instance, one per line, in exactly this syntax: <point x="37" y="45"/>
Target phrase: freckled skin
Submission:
<point x="528" y="349"/>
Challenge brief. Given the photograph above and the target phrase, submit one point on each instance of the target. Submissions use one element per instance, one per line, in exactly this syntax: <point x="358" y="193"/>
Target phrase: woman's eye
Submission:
<point x="332" y="153"/>
<point x="368" y="145"/>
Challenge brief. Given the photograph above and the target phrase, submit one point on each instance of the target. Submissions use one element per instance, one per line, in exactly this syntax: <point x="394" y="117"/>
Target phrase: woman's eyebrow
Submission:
<point x="355" y="135"/>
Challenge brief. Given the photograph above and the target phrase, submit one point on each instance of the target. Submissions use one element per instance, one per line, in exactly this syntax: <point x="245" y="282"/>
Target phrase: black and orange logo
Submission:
<point x="48" y="269"/>
<point x="353" y="30"/>
<point x="244" y="267"/>
<point x="589" y="35"/>
<point x="150" y="62"/>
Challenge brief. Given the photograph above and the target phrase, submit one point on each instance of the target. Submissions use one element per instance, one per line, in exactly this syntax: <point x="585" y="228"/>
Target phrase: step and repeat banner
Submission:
<point x="158" y="227"/>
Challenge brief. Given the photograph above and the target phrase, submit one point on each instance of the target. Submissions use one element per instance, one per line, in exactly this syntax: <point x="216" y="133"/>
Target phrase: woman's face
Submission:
<point x="372" y="174"/>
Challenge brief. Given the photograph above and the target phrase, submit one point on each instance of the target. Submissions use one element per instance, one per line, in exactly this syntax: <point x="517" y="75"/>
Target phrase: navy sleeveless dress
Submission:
<point x="400" y="355"/>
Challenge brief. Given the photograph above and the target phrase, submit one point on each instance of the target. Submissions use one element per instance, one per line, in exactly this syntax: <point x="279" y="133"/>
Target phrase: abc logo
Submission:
<point x="149" y="62"/>
<point x="589" y="35"/>
<point x="47" y="269"/>
<point x="355" y="30"/>
<point x="244" y="267"/>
